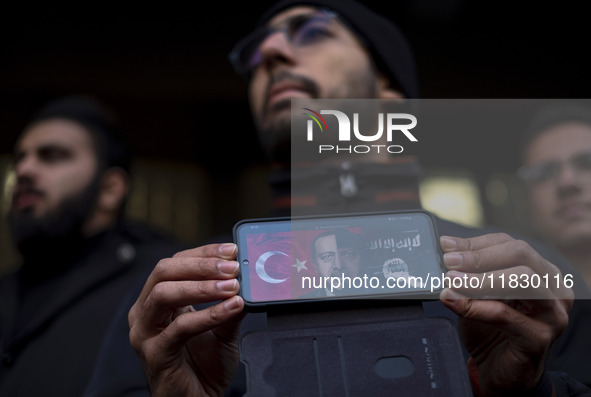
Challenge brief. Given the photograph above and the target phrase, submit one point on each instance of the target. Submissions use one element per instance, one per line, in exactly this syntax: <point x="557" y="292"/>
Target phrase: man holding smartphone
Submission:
<point x="338" y="49"/>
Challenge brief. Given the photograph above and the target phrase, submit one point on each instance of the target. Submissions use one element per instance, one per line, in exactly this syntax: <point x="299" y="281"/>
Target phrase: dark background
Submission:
<point x="164" y="70"/>
<point x="166" y="73"/>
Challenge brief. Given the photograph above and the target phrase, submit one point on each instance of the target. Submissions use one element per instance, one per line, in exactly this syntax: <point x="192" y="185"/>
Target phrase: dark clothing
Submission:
<point x="569" y="355"/>
<point x="119" y="372"/>
<point x="570" y="352"/>
<point x="314" y="189"/>
<point x="51" y="330"/>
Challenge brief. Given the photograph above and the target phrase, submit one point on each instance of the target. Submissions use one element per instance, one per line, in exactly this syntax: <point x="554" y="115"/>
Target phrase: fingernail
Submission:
<point x="454" y="274"/>
<point x="450" y="295"/>
<point x="227" y="249"/>
<point x="232" y="303"/>
<point x="448" y="242"/>
<point x="228" y="267"/>
<point x="226" y="285"/>
<point x="453" y="259"/>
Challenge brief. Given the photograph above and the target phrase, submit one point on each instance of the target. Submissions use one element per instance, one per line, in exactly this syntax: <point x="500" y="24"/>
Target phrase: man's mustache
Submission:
<point x="306" y="83"/>
<point x="26" y="186"/>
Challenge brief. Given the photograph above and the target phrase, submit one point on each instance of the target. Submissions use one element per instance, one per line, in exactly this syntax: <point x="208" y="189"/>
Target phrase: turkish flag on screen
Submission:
<point x="278" y="261"/>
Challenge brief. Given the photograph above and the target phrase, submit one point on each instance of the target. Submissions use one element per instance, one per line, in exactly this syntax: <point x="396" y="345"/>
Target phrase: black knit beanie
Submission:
<point x="386" y="43"/>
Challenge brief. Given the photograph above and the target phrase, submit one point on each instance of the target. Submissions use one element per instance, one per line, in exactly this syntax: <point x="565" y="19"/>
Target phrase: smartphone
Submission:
<point x="338" y="257"/>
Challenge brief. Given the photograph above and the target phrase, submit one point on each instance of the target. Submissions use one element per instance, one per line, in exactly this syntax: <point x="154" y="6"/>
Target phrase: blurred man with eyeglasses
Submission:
<point x="557" y="173"/>
<point x="318" y="56"/>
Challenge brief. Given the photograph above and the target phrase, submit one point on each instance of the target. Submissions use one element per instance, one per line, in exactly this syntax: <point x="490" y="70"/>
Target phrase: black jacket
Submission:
<point x="50" y="331"/>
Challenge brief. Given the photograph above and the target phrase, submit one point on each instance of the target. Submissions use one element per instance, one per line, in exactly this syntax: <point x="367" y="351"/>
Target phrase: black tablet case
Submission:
<point x="358" y="350"/>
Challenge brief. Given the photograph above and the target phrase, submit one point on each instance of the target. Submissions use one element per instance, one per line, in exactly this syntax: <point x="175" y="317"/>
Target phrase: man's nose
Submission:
<point x="277" y="49"/>
<point x="568" y="176"/>
<point x="26" y="167"/>
<point x="568" y="181"/>
<point x="338" y="264"/>
<point x="341" y="263"/>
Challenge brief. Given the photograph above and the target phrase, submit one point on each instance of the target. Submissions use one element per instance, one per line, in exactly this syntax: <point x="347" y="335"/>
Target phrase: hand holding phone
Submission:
<point x="188" y="343"/>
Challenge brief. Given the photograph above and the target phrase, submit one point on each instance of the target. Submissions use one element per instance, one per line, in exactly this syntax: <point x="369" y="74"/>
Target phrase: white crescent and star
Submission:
<point x="300" y="265"/>
<point x="262" y="272"/>
<point x="260" y="267"/>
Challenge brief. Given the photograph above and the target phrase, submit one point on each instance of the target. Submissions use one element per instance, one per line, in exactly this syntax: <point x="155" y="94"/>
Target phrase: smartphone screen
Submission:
<point x="325" y="258"/>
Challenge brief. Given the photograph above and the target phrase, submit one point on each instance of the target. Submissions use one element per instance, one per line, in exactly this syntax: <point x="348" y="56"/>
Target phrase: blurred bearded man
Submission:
<point x="79" y="257"/>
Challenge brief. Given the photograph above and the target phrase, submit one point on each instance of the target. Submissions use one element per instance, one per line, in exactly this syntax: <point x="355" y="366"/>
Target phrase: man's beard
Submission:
<point x="49" y="242"/>
<point x="275" y="129"/>
<point x="276" y="140"/>
<point x="275" y="132"/>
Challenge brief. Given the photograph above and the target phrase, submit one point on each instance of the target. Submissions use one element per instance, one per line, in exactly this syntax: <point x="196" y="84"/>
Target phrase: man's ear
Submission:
<point x="114" y="188"/>
<point x="384" y="89"/>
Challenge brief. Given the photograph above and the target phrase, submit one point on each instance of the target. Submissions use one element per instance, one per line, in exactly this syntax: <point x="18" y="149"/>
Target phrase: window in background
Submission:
<point x="8" y="254"/>
<point x="453" y="196"/>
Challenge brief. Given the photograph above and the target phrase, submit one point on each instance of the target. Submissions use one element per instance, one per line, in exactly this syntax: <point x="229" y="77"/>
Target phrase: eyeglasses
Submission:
<point x="549" y="171"/>
<point x="301" y="30"/>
